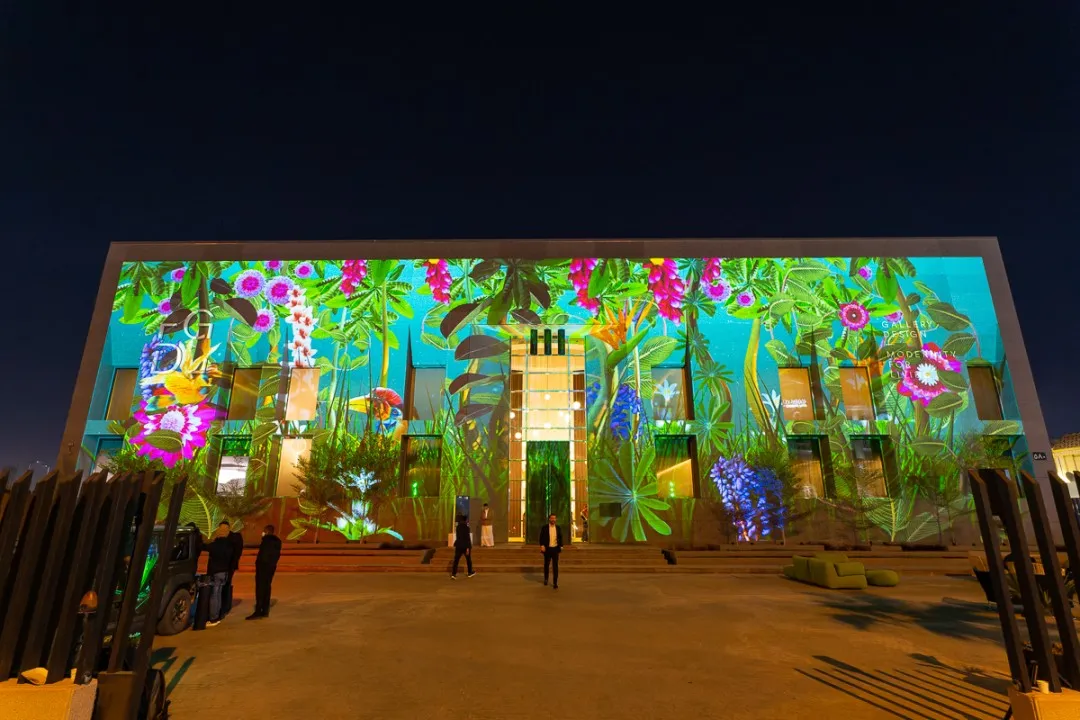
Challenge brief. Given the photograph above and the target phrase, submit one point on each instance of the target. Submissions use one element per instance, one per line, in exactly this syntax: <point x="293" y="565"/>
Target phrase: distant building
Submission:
<point x="1067" y="460"/>
<point x="627" y="383"/>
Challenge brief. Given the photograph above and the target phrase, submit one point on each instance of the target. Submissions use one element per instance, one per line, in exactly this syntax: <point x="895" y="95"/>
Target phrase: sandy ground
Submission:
<point x="369" y="645"/>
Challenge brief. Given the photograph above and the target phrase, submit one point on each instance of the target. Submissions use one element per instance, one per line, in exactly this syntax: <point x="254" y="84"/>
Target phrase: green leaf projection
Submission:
<point x="827" y="366"/>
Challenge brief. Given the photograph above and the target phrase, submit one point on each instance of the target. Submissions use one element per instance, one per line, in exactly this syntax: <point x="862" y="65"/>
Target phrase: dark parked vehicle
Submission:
<point x="174" y="613"/>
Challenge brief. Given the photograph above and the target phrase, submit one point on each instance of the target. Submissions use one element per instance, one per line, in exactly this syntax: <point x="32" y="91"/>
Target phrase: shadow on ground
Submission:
<point x="932" y="690"/>
<point x="954" y="619"/>
<point x="164" y="659"/>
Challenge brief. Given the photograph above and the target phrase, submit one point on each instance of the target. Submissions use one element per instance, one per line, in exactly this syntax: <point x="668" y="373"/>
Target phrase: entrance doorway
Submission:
<point x="548" y="448"/>
<point x="547" y="463"/>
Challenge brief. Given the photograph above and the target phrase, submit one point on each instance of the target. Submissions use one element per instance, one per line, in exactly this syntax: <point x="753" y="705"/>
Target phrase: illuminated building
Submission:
<point x="614" y="376"/>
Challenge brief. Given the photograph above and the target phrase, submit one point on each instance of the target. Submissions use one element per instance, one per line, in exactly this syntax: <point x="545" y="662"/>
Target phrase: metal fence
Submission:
<point x="72" y="556"/>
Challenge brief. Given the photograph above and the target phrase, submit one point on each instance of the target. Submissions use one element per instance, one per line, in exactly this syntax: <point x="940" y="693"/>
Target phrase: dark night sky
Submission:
<point x="879" y="121"/>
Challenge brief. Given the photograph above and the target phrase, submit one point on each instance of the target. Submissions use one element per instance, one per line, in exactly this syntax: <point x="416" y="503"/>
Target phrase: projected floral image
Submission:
<point x="731" y="399"/>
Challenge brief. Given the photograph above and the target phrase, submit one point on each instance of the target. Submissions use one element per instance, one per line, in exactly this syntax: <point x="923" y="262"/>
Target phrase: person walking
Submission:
<point x="462" y="546"/>
<point x="219" y="561"/>
<point x="265" y="567"/>
<point x="551" y="546"/>
<point x="487" y="531"/>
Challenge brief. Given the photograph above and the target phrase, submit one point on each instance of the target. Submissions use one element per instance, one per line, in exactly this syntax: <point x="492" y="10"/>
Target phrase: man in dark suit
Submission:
<point x="462" y="546"/>
<point x="265" y="567"/>
<point x="551" y="546"/>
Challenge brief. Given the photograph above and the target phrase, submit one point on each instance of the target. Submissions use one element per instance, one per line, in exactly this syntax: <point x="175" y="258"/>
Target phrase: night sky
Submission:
<point x="879" y="121"/>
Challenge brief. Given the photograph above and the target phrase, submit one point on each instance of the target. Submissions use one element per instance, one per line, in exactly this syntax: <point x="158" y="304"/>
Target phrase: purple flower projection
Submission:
<point x="750" y="496"/>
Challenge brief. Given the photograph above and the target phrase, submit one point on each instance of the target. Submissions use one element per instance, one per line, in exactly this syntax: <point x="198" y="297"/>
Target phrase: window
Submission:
<point x="303" y="394"/>
<point x="122" y="396"/>
<point x="984" y="390"/>
<point x="105" y="450"/>
<point x="855" y="389"/>
<point x="426" y="398"/>
<point x="806" y="462"/>
<point x="292" y="449"/>
<point x="232" y="470"/>
<point x="796" y="394"/>
<point x="869" y="458"/>
<point x="671" y="401"/>
<point x="675" y="466"/>
<point x="423" y="459"/>
<point x="244" y="397"/>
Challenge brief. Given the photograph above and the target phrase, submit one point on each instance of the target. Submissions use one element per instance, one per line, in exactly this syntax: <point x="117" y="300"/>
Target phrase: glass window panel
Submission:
<point x="423" y="462"/>
<point x="806" y="462"/>
<point x="671" y="395"/>
<point x="427" y="393"/>
<point x="106" y="448"/>
<point x="796" y="394"/>
<point x="984" y="390"/>
<point x="244" y="396"/>
<point x="868" y="456"/>
<point x="292" y="449"/>
<point x="122" y="395"/>
<point x="303" y="394"/>
<point x="675" y="466"/>
<point x="855" y="388"/>
<point x="232" y="474"/>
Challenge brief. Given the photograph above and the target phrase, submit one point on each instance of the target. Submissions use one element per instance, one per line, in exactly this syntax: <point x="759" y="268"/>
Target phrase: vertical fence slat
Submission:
<point x="79" y="576"/>
<point x="109" y="540"/>
<point x="10" y="525"/>
<point x="1010" y="629"/>
<point x="1038" y="635"/>
<point x="148" y="497"/>
<point x="157" y="588"/>
<point x="46" y="605"/>
<point x="27" y="575"/>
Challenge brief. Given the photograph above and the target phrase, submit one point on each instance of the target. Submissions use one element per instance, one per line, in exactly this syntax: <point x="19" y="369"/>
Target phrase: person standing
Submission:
<point x="218" y="563"/>
<point x="237" y="541"/>
<point x="585" y="524"/>
<point x="487" y="531"/>
<point x="551" y="546"/>
<point x="265" y="567"/>
<point x="462" y="546"/>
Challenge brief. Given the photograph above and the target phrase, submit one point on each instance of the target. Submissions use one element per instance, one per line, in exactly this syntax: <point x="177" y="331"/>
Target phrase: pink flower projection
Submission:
<point x="438" y="279"/>
<point x="183" y="424"/>
<point x="921" y="380"/>
<point x="353" y="273"/>
<point x="667" y="287"/>
<point x="581" y="270"/>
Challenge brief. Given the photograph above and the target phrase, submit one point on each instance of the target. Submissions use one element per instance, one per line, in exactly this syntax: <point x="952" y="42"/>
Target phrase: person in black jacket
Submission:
<point x="551" y="546"/>
<point x="462" y="546"/>
<point x="237" y="541"/>
<point x="218" y="562"/>
<point x="265" y="567"/>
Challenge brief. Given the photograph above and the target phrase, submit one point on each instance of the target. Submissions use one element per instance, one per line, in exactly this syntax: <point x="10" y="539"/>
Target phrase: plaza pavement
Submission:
<point x="602" y="646"/>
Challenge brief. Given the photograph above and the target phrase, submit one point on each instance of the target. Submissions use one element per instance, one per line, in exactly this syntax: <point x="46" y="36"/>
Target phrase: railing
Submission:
<point x="71" y="552"/>
<point x="996" y="500"/>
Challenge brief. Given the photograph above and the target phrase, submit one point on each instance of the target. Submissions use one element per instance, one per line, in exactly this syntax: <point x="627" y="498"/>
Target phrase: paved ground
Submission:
<point x="602" y="646"/>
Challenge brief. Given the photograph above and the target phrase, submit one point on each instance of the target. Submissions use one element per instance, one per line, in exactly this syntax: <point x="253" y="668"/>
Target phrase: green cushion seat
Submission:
<point x="849" y="569"/>
<point x="883" y="578"/>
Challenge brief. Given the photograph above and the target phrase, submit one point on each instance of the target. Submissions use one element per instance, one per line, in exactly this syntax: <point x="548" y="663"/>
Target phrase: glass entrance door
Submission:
<point x="547" y="408"/>
<point x="548" y="466"/>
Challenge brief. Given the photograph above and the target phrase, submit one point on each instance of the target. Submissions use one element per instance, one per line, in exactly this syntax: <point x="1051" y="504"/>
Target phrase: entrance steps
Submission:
<point x="574" y="559"/>
<point x="760" y="559"/>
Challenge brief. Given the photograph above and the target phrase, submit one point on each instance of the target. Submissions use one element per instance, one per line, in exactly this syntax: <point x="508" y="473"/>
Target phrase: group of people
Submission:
<point x="222" y="563"/>
<point x="551" y="542"/>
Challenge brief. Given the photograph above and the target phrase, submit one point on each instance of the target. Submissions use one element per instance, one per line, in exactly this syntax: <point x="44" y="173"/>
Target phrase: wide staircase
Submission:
<point x="512" y="558"/>
<point x="766" y="559"/>
<point x="574" y="559"/>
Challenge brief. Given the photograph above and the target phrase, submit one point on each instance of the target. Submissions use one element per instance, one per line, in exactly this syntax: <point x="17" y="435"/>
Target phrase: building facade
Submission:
<point x="636" y="389"/>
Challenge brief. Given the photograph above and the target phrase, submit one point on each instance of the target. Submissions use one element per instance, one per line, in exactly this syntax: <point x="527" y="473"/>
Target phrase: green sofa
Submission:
<point x="837" y="572"/>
